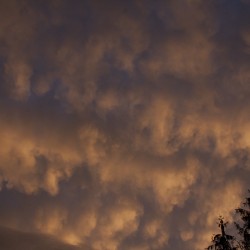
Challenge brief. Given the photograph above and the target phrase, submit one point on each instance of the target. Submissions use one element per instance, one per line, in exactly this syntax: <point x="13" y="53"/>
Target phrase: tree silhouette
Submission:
<point x="222" y="241"/>
<point x="244" y="227"/>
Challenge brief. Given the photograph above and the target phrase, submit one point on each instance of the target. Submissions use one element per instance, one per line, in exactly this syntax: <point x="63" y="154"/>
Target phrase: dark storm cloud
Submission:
<point x="13" y="240"/>
<point x="123" y="125"/>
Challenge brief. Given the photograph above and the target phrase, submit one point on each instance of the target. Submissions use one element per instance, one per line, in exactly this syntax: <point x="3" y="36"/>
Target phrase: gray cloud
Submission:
<point x="12" y="240"/>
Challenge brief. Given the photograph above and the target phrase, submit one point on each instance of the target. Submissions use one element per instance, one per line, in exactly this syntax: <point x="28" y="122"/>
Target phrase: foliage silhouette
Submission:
<point x="244" y="227"/>
<point x="224" y="241"/>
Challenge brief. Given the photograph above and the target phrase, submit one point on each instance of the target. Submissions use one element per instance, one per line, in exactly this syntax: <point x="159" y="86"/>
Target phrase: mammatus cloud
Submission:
<point x="123" y="125"/>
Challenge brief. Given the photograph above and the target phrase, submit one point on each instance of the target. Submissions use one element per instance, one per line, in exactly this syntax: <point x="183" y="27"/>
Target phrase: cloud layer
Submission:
<point x="14" y="240"/>
<point x="123" y="125"/>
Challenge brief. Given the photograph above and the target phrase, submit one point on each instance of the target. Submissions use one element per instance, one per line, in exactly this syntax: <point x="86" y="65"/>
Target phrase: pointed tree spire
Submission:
<point x="222" y="241"/>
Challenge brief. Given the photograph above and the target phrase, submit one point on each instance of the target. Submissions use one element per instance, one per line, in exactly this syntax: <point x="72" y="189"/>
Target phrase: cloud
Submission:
<point x="123" y="125"/>
<point x="28" y="240"/>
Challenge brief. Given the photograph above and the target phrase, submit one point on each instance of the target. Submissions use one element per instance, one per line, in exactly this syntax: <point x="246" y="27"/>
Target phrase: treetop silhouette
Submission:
<point x="223" y="241"/>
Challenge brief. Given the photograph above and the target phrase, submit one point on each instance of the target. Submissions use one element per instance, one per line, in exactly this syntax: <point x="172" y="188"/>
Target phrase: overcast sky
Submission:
<point x="124" y="125"/>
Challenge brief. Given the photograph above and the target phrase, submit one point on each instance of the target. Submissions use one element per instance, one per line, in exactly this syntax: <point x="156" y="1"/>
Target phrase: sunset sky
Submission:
<point x="124" y="125"/>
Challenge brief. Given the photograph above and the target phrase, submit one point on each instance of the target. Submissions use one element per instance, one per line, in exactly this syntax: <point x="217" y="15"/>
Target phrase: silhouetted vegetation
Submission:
<point x="244" y="227"/>
<point x="223" y="241"/>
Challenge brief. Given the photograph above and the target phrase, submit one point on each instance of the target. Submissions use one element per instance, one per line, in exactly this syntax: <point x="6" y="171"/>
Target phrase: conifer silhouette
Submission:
<point x="222" y="241"/>
<point x="244" y="227"/>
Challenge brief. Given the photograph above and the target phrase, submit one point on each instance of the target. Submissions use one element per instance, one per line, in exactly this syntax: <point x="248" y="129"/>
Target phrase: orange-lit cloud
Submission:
<point x="123" y="125"/>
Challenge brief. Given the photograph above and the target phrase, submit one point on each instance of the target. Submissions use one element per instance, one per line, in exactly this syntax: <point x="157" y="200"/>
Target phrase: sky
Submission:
<point x="124" y="125"/>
